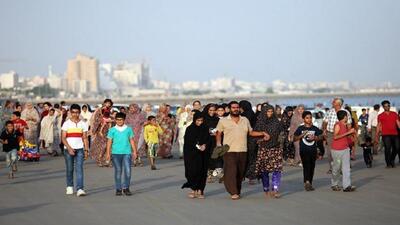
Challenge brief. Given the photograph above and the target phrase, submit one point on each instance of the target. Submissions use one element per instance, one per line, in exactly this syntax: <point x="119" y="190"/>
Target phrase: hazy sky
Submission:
<point x="198" y="40"/>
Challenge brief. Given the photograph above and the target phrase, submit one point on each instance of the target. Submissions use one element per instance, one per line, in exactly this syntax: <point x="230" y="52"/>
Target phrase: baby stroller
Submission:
<point x="28" y="152"/>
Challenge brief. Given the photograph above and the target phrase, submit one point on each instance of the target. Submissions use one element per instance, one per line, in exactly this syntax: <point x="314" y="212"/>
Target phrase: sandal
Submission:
<point x="235" y="197"/>
<point x="199" y="195"/>
<point x="191" y="194"/>
<point x="275" y="194"/>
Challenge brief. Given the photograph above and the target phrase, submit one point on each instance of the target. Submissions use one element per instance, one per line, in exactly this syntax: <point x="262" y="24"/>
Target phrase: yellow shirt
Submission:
<point x="151" y="133"/>
<point x="235" y="134"/>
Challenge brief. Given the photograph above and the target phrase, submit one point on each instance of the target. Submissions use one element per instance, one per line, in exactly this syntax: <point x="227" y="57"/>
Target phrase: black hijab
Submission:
<point x="270" y="125"/>
<point x="196" y="134"/>
<point x="248" y="111"/>
<point x="286" y="118"/>
<point x="210" y="121"/>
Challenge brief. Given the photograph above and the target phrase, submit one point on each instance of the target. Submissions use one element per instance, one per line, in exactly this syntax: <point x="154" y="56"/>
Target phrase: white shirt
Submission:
<point x="75" y="133"/>
<point x="331" y="119"/>
<point x="372" y="119"/>
<point x="86" y="116"/>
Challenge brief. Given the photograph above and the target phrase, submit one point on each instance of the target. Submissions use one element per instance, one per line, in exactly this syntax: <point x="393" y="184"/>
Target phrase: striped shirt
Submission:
<point x="331" y="119"/>
<point x="75" y="133"/>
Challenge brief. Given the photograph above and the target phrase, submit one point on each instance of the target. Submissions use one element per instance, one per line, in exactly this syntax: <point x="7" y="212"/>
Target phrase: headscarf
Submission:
<point x="196" y="134"/>
<point x="210" y="121"/>
<point x="270" y="125"/>
<point x="248" y="111"/>
<point x="296" y="120"/>
<point x="286" y="118"/>
<point x="135" y="120"/>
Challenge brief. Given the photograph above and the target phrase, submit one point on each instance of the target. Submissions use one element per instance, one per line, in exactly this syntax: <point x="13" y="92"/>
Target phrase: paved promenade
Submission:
<point x="37" y="196"/>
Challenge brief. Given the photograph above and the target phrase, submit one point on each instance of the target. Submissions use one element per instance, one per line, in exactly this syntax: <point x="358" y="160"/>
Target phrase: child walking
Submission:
<point x="151" y="132"/>
<point x="74" y="137"/>
<point x="340" y="151"/>
<point x="10" y="140"/>
<point x="367" y="151"/>
<point x="309" y="136"/>
<point x="121" y="147"/>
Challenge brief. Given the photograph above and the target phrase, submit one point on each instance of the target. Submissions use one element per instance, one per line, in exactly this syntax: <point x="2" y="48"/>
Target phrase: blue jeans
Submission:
<point x="11" y="158"/>
<point x="70" y="160"/>
<point x="122" y="162"/>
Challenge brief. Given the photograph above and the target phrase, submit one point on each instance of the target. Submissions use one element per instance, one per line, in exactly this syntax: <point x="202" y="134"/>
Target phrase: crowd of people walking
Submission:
<point x="225" y="143"/>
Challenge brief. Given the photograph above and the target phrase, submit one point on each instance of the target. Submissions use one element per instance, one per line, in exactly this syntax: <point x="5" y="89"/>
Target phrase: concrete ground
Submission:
<point x="37" y="196"/>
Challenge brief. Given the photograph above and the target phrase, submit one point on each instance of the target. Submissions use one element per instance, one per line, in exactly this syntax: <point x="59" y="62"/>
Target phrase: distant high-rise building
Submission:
<point x="83" y="70"/>
<point x="9" y="80"/>
<point x="132" y="75"/>
<point x="55" y="81"/>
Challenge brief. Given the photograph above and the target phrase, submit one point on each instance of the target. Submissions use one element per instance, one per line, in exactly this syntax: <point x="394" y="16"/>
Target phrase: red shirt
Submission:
<point x="388" y="123"/>
<point x="20" y="124"/>
<point x="44" y="113"/>
<point x="342" y="143"/>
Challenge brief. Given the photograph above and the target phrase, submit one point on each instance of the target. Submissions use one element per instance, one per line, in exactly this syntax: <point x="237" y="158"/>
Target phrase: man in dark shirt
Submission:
<point x="9" y="139"/>
<point x="364" y="123"/>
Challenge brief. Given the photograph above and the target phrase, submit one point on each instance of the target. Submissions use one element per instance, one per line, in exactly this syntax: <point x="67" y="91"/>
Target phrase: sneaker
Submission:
<point x="153" y="168"/>
<point x="307" y="186"/>
<point x="69" y="191"/>
<point x="118" y="192"/>
<point x="336" y="188"/>
<point x="349" y="189"/>
<point x="80" y="192"/>
<point x="127" y="192"/>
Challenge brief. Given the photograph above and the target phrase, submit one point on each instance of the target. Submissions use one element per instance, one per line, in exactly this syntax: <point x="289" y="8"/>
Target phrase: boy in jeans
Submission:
<point x="74" y="138"/>
<point x="10" y="140"/>
<point x="151" y="132"/>
<point x="309" y="136"/>
<point x="121" y="145"/>
<point x="340" y="151"/>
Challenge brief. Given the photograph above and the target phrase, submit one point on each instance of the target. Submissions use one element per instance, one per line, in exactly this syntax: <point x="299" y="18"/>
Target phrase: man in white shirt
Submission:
<point x="329" y="123"/>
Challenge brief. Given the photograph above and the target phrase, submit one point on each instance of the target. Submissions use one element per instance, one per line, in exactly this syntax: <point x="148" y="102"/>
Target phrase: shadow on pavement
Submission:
<point x="23" y="209"/>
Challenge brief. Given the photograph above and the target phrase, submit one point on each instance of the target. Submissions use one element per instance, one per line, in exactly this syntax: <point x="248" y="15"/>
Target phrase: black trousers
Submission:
<point x="308" y="158"/>
<point x="367" y="153"/>
<point x="321" y="147"/>
<point x="392" y="145"/>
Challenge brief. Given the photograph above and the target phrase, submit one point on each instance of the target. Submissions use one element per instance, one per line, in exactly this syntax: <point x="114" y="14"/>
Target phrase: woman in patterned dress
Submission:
<point x="270" y="153"/>
<point x="99" y="135"/>
<point x="135" y="119"/>
<point x="166" y="138"/>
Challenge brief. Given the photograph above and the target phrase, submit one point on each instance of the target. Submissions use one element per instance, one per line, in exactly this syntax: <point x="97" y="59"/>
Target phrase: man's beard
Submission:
<point x="235" y="114"/>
